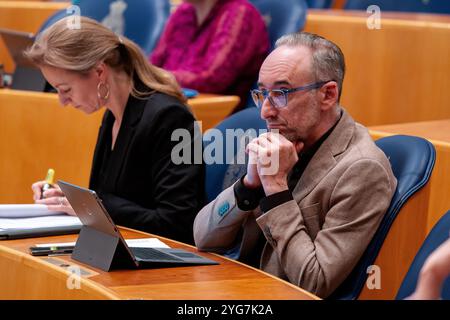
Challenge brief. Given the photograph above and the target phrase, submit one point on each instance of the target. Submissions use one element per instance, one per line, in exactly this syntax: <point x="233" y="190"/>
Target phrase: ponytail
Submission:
<point x="80" y="50"/>
<point x="151" y="76"/>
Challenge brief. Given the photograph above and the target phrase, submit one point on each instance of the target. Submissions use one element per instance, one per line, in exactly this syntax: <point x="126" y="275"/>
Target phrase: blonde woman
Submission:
<point x="132" y="171"/>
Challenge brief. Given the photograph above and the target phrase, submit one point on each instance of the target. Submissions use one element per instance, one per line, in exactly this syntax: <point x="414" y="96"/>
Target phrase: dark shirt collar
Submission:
<point x="305" y="157"/>
<point x="309" y="153"/>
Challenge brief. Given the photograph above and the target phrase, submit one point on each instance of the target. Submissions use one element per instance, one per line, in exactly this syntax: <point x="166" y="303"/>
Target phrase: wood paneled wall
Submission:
<point x="396" y="74"/>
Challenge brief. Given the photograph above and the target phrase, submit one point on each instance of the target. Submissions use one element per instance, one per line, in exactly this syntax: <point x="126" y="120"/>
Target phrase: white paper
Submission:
<point x="57" y="244"/>
<point x="25" y="211"/>
<point x="146" y="243"/>
<point x="133" y="243"/>
<point x="39" y="222"/>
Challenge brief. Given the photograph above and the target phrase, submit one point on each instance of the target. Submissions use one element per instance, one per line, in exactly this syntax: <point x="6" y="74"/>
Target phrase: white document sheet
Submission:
<point x="25" y="211"/>
<point x="39" y="222"/>
<point x="133" y="243"/>
<point x="146" y="243"/>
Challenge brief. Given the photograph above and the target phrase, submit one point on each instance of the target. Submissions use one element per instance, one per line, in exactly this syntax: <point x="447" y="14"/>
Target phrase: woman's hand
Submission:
<point x="53" y="198"/>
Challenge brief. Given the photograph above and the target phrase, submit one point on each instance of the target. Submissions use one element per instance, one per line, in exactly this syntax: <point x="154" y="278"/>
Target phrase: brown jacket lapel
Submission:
<point x="324" y="159"/>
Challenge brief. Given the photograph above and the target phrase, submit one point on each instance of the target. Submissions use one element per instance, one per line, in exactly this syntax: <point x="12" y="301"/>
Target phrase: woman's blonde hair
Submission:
<point x="80" y="50"/>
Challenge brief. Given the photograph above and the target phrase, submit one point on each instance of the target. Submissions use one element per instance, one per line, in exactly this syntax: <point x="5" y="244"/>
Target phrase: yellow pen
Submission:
<point x="48" y="181"/>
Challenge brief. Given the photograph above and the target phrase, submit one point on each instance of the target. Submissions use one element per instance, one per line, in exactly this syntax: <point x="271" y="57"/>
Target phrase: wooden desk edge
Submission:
<point x="56" y="271"/>
<point x="34" y="5"/>
<point x="202" y="99"/>
<point x="380" y="134"/>
<point x="102" y="291"/>
<point x="213" y="99"/>
<point x="389" y="19"/>
<point x="309" y="294"/>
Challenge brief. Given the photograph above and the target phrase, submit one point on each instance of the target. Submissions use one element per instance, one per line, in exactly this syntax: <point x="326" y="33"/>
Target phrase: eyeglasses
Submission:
<point x="279" y="97"/>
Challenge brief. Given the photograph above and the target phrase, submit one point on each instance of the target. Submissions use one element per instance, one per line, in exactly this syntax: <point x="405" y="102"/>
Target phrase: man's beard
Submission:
<point x="292" y="136"/>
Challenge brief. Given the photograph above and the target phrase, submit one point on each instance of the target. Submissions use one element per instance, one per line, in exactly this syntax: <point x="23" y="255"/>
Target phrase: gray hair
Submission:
<point x="328" y="59"/>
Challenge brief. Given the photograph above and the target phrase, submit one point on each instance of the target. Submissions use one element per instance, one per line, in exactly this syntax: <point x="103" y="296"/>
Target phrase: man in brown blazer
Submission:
<point x="310" y="221"/>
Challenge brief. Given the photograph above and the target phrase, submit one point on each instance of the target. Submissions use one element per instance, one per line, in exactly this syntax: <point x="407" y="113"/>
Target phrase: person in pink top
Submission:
<point x="214" y="46"/>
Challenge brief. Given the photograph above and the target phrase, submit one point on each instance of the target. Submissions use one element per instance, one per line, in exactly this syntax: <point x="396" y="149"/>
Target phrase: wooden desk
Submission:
<point x="397" y="74"/>
<point x="23" y="276"/>
<point x="420" y="212"/>
<point x="210" y="109"/>
<point x="27" y="15"/>
<point x="36" y="133"/>
<point x="26" y="0"/>
<point x="438" y="133"/>
<point x="24" y="16"/>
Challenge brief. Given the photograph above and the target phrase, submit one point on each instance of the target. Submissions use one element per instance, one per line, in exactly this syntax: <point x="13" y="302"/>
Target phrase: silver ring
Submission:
<point x="61" y="201"/>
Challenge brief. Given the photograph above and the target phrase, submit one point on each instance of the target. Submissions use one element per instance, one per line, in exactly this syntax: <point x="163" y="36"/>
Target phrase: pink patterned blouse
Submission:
<point x="222" y="55"/>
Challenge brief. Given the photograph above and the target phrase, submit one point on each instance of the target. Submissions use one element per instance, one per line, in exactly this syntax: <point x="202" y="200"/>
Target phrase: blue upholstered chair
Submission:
<point x="319" y="4"/>
<point x="282" y="17"/>
<point x="58" y="15"/>
<point x="438" y="235"/>
<point x="221" y="175"/>
<point x="412" y="160"/>
<point x="430" y="6"/>
<point x="144" y="20"/>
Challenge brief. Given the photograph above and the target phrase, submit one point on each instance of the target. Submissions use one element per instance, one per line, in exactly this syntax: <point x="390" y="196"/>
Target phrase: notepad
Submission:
<point x="34" y="220"/>
<point x="39" y="222"/>
<point x="133" y="243"/>
<point x="25" y="211"/>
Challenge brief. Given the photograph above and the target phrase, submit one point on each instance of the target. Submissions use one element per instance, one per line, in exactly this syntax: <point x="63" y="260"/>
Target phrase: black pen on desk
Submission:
<point x="51" y="251"/>
<point x="62" y="253"/>
<point x="48" y="181"/>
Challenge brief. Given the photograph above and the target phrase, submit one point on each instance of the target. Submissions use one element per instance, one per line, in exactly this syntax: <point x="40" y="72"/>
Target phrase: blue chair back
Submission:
<point x="58" y="15"/>
<point x="430" y="6"/>
<point x="319" y="4"/>
<point x="438" y="235"/>
<point x="221" y="175"/>
<point x="144" y="19"/>
<point x="282" y="17"/>
<point x="412" y="160"/>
